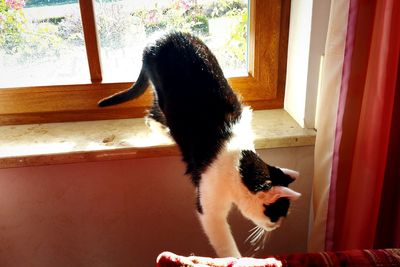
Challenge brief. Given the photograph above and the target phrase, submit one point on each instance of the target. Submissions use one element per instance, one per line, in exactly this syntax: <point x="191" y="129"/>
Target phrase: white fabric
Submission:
<point x="328" y="100"/>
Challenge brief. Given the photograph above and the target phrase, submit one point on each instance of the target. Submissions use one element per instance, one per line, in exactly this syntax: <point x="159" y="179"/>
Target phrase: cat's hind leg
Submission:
<point x="155" y="113"/>
<point x="155" y="119"/>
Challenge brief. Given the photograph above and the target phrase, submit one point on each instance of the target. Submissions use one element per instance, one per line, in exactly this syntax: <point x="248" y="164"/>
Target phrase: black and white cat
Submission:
<point x="194" y="101"/>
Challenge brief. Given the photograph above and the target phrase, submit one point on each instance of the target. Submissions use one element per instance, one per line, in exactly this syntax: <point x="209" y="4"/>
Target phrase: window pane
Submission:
<point x="41" y="43"/>
<point x="125" y="27"/>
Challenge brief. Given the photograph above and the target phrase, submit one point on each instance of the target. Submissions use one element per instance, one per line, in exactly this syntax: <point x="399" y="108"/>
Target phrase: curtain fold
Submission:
<point x="356" y="194"/>
<point x="327" y="113"/>
<point x="367" y="175"/>
<point x="389" y="215"/>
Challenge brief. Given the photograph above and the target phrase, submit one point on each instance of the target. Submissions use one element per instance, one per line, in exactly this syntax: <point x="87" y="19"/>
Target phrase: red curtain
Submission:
<point x="367" y="191"/>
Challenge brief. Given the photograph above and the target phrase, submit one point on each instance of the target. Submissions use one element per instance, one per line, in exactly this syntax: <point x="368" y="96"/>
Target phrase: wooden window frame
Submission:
<point x="263" y="88"/>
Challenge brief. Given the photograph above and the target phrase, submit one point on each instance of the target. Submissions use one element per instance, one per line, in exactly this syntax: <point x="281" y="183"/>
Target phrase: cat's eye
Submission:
<point x="267" y="185"/>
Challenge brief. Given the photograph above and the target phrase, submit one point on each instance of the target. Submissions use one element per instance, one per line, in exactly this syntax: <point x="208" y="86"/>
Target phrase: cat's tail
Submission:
<point x="135" y="91"/>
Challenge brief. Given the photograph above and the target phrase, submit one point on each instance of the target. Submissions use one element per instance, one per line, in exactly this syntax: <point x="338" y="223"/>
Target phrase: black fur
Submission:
<point x="277" y="209"/>
<point x="258" y="176"/>
<point x="255" y="173"/>
<point x="196" y="102"/>
<point x="139" y="88"/>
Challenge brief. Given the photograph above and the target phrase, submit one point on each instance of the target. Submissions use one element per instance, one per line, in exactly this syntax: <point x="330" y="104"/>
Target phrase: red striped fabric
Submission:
<point x="351" y="258"/>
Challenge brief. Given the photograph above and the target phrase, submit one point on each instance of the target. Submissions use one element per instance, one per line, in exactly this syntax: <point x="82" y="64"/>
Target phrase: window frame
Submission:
<point x="262" y="88"/>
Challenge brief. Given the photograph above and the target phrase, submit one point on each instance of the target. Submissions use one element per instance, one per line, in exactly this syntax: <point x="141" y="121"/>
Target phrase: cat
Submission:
<point x="195" y="104"/>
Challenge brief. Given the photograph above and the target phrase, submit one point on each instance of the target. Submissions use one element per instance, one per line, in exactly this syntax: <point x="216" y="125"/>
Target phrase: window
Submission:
<point x="97" y="66"/>
<point x="37" y="46"/>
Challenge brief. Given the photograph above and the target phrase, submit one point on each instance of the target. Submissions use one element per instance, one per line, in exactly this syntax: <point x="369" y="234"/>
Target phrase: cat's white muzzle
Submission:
<point x="270" y="226"/>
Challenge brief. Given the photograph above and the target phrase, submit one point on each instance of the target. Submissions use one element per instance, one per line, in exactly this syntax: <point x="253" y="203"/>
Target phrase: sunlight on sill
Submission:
<point x="71" y="142"/>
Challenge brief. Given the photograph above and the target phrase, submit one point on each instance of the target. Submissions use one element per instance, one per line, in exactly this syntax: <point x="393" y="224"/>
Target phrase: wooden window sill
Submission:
<point x="72" y="142"/>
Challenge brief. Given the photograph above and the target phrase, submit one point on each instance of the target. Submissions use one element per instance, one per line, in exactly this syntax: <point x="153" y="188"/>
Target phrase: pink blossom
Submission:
<point x="15" y="4"/>
<point x="184" y="4"/>
<point x="152" y="16"/>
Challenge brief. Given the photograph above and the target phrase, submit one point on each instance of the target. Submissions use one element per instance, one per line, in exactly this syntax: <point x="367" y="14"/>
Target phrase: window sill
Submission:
<point x="72" y="142"/>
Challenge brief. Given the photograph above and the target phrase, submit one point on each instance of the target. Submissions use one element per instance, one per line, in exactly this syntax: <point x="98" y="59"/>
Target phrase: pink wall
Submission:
<point x="123" y="213"/>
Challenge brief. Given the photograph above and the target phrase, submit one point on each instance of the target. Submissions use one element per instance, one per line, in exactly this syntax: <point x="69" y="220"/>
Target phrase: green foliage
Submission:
<point x="237" y="45"/>
<point x="200" y="25"/>
<point x="187" y="16"/>
<point x="26" y="40"/>
<point x="38" y="3"/>
<point x="53" y="20"/>
<point x="111" y="28"/>
<point x="49" y="37"/>
<point x="40" y="42"/>
<point x="71" y="31"/>
<point x="180" y="14"/>
<point x="222" y="7"/>
<point x="12" y="21"/>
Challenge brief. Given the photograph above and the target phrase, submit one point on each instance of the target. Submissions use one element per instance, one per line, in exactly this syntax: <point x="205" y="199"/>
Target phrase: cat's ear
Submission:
<point x="293" y="174"/>
<point x="277" y="192"/>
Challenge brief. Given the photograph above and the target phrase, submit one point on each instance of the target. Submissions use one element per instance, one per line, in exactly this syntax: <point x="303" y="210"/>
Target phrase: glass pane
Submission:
<point x="125" y="27"/>
<point x="41" y="43"/>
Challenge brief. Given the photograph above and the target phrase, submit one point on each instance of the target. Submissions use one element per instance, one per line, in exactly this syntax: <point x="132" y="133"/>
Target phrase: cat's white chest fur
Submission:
<point x="220" y="187"/>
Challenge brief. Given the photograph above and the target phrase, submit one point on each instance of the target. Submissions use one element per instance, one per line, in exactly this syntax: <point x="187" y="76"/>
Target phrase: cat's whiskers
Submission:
<point x="265" y="238"/>
<point x="253" y="233"/>
<point x="257" y="237"/>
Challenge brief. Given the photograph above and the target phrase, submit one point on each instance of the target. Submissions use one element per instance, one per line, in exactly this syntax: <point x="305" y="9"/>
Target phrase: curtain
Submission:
<point x="327" y="116"/>
<point x="356" y="199"/>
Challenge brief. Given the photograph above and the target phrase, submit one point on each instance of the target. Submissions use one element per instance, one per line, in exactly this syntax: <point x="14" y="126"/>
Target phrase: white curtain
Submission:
<point x="332" y="86"/>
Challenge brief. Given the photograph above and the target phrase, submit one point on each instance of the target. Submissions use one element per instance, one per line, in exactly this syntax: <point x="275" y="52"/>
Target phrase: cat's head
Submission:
<point x="269" y="194"/>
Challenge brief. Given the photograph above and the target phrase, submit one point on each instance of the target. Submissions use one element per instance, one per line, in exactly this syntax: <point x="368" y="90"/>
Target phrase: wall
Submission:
<point x="307" y="35"/>
<point x="298" y="59"/>
<point x="124" y="213"/>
